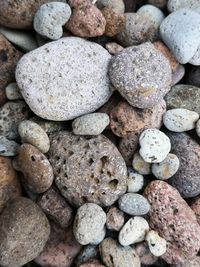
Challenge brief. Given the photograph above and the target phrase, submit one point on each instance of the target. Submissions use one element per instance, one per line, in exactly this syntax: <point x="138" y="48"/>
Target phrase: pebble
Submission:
<point x="141" y="166"/>
<point x="92" y="263"/>
<point x="114" y="48"/>
<point x="88" y="253"/>
<point x="50" y="18"/>
<point x="11" y="114"/>
<point x="86" y="19"/>
<point x="174" y="5"/>
<point x="196" y="208"/>
<point x="25" y="41"/>
<point x="155" y="145"/>
<point x="192" y="76"/>
<point x="133" y="231"/>
<point x="134" y="204"/>
<point x="174" y="221"/>
<point x="117" y="5"/>
<point x="9" y="183"/>
<point x="61" y="249"/>
<point x="48" y="126"/>
<point x="178" y="74"/>
<point x="114" y="219"/>
<point x="186" y="179"/>
<point x="100" y="237"/>
<point x="153" y="13"/>
<point x="88" y="223"/>
<point x="141" y="74"/>
<point x="32" y="133"/>
<point x="184" y="96"/>
<point x="90" y="124"/>
<point x="8" y="148"/>
<point x="146" y="257"/>
<point x="157" y="244"/>
<point x="19" y="242"/>
<point x="195" y="60"/>
<point x="189" y="263"/>
<point x="166" y="168"/>
<point x="158" y="3"/>
<point x="13" y="92"/>
<point x="113" y="254"/>
<point x="87" y="60"/>
<point x="56" y="207"/>
<point x="87" y="169"/>
<point x="135" y="181"/>
<point x="182" y="44"/>
<point x="37" y="171"/>
<point x="198" y="128"/>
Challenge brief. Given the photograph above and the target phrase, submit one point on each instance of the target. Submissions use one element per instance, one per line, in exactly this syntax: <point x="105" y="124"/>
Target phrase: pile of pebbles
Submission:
<point x="99" y="133"/>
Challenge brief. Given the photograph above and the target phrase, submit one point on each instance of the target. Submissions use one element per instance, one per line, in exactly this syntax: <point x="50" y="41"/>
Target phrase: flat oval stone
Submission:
<point x="64" y="79"/>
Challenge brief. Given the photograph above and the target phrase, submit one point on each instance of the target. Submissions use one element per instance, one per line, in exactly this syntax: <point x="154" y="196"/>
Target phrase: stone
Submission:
<point x="153" y="13"/>
<point x="9" y="183"/>
<point x="90" y="124"/>
<point x="92" y="263"/>
<point x="195" y="60"/>
<point x="86" y="19"/>
<point x="184" y="96"/>
<point x="114" y="219"/>
<point x="196" y="208"/>
<point x="56" y="207"/>
<point x="61" y="248"/>
<point x="32" y="133"/>
<point x="88" y="253"/>
<point x="166" y="168"/>
<point x="8" y="148"/>
<point x="158" y="3"/>
<point x="50" y="18"/>
<point x="11" y="114"/>
<point x="141" y="74"/>
<point x="155" y="145"/>
<point x="134" y="231"/>
<point x="37" y="171"/>
<point x="88" y="223"/>
<point x="48" y="126"/>
<point x="186" y="179"/>
<point x="83" y="90"/>
<point x="117" y="5"/>
<point x="135" y="181"/>
<point x="12" y="92"/>
<point x="100" y="237"/>
<point x="146" y="257"/>
<point x="157" y="244"/>
<point x="178" y="74"/>
<point x="174" y="5"/>
<point x="113" y="254"/>
<point x="198" y="128"/>
<point x="141" y="166"/>
<point x="87" y="169"/>
<point x="182" y="44"/>
<point x="189" y="263"/>
<point x="20" y="243"/>
<point x="180" y="120"/>
<point x="192" y="76"/>
<point x="174" y="221"/>
<point x="134" y="204"/>
<point x="114" y="48"/>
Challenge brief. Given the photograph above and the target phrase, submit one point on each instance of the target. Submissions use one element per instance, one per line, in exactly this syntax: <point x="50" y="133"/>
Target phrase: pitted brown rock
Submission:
<point x="87" y="169"/>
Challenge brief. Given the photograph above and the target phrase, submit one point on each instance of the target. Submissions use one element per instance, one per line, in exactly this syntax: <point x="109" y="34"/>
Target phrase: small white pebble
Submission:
<point x="135" y="181"/>
<point x="13" y="92"/>
<point x="157" y="245"/>
<point x="140" y="165"/>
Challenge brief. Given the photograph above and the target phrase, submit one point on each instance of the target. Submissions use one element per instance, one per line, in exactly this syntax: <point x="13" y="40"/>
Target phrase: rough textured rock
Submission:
<point x="88" y="253"/>
<point x="173" y="219"/>
<point x="92" y="263"/>
<point x="157" y="244"/>
<point x="8" y="148"/>
<point x="116" y="5"/>
<point x="12" y="92"/>
<point x="140" y="165"/>
<point x="115" y="219"/>
<point x="87" y="169"/>
<point x="174" y="5"/>
<point x="196" y="208"/>
<point x="113" y="48"/>
<point x="24" y="230"/>
<point x="135" y="181"/>
<point x="146" y="257"/>
<point x="189" y="263"/>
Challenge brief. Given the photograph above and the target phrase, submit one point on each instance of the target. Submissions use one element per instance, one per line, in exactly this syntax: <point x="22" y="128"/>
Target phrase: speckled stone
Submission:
<point x="117" y="5"/>
<point x="178" y="74"/>
<point x="88" y="253"/>
<point x="173" y="219"/>
<point x="48" y="126"/>
<point x="113" y="48"/>
<point x="8" y="148"/>
<point x="87" y="169"/>
<point x="157" y="244"/>
<point x="174" y="5"/>
<point x="189" y="263"/>
<point x="146" y="257"/>
<point x="141" y="74"/>
<point x="193" y="76"/>
<point x="196" y="208"/>
<point x="12" y="92"/>
<point x="135" y="181"/>
<point x="83" y="90"/>
<point x="152" y="13"/>
<point x="140" y="165"/>
<point x="114" y="219"/>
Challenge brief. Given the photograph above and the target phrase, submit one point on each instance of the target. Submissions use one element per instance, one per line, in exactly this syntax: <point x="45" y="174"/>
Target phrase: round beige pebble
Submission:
<point x="135" y="181"/>
<point x="157" y="245"/>
<point x="141" y="166"/>
<point x="13" y="92"/>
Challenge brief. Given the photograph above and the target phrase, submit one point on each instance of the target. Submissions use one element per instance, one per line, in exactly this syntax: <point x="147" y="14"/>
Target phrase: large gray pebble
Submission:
<point x="182" y="43"/>
<point x="174" y="5"/>
<point x="134" y="204"/>
<point x="8" y="148"/>
<point x="12" y="92"/>
<point x="153" y="13"/>
<point x="64" y="79"/>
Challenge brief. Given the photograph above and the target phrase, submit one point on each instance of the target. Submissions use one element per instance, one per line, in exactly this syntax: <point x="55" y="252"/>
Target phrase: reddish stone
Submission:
<point x="114" y="219"/>
<point x="196" y="208"/>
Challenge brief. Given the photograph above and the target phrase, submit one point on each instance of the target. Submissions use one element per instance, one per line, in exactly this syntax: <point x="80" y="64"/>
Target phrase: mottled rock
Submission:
<point x="114" y="48"/>
<point x="157" y="244"/>
<point x="178" y="74"/>
<point x="8" y="148"/>
<point x="88" y="253"/>
<point x="196" y="208"/>
<point x="135" y="181"/>
<point x="92" y="263"/>
<point x="48" y="126"/>
<point x="13" y="92"/>
<point x="140" y="165"/>
<point x="146" y="257"/>
<point x="189" y="263"/>
<point x="114" y="219"/>
<point x="174" y="5"/>
<point x="116" y="5"/>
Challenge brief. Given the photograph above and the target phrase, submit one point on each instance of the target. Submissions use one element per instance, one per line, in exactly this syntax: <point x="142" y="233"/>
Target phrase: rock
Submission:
<point x="198" y="128"/>
<point x="183" y="45"/>
<point x="157" y="244"/>
<point x="180" y="120"/>
<point x="25" y="41"/>
<point x="178" y="74"/>
<point x="90" y="124"/>
<point x="129" y="69"/>
<point x="87" y="169"/>
<point x="100" y="237"/>
<point x="88" y="223"/>
<point x="56" y="207"/>
<point x="30" y="132"/>
<point x="92" y="263"/>
<point x="117" y="5"/>
<point x="8" y="148"/>
<point x="12" y="92"/>
<point x="166" y="168"/>
<point x="186" y="179"/>
<point x="113" y="254"/>
<point x="50" y="18"/>
<point x="174" y="5"/>
<point x="114" y="219"/>
<point x="114" y="48"/>
<point x="60" y="250"/>
<point x="11" y="114"/>
<point x="155" y="146"/>
<point x="86" y="19"/>
<point x="134" y="204"/>
<point x="9" y="184"/>
<point x="20" y="243"/>
<point x="87" y="61"/>
<point x="133" y="231"/>
<point x="88" y="253"/>
<point x="153" y="13"/>
<point x="37" y="171"/>
<point x="189" y="263"/>
<point x="141" y="166"/>
<point x="195" y="60"/>
<point x="184" y="96"/>
<point x="192" y="76"/>
<point x="174" y="221"/>
<point x="158" y="3"/>
<point x="196" y="208"/>
<point x="135" y="181"/>
<point x="146" y="257"/>
<point x="48" y="126"/>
